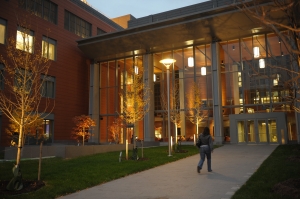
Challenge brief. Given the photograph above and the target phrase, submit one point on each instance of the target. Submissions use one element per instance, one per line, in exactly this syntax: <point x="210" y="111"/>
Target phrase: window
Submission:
<point x="41" y="8"/>
<point x="48" y="88"/>
<point x="100" y="31"/>
<point x="77" y="25"/>
<point x="24" y="40"/>
<point x="49" y="48"/>
<point x="1" y="76"/>
<point x="2" y="30"/>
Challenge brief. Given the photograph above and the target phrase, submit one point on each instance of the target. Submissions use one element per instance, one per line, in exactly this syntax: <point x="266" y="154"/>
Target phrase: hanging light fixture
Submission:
<point x="203" y="71"/>
<point x="262" y="63"/>
<point x="256" y="52"/>
<point x="190" y="62"/>
<point x="154" y="77"/>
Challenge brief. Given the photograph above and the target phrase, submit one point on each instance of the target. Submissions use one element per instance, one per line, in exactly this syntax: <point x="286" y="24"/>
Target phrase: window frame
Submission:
<point x="77" y="25"/>
<point x="45" y="9"/>
<point x="45" y="79"/>
<point x="3" y="22"/>
<point x="47" y="41"/>
<point x="30" y="33"/>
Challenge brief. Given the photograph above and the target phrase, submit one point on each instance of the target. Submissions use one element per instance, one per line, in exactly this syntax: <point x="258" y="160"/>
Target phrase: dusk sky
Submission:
<point x="138" y="8"/>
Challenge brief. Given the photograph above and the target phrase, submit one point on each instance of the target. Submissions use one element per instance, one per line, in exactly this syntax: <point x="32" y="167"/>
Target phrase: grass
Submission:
<point x="65" y="176"/>
<point x="275" y="169"/>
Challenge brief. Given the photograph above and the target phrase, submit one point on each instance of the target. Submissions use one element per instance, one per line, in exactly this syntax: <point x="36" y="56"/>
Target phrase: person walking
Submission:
<point x="205" y="148"/>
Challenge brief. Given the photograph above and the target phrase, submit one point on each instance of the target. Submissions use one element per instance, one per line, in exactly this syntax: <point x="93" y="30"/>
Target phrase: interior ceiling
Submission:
<point x="201" y="28"/>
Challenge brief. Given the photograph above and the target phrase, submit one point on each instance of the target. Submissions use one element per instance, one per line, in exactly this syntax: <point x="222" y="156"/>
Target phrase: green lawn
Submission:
<point x="281" y="165"/>
<point x="64" y="176"/>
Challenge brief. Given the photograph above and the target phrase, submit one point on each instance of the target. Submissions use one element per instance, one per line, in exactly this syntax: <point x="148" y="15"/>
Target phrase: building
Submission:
<point x="223" y="58"/>
<point x="61" y="24"/>
<point x="238" y="66"/>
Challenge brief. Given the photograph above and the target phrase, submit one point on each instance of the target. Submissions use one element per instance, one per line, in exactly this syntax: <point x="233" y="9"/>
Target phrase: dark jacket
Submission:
<point x="206" y="140"/>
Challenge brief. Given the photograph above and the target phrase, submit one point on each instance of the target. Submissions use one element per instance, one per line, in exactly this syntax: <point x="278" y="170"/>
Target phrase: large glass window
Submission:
<point x="24" y="39"/>
<point x="49" y="48"/>
<point x="48" y="89"/>
<point x="77" y="25"/>
<point x="42" y="8"/>
<point x="2" y="30"/>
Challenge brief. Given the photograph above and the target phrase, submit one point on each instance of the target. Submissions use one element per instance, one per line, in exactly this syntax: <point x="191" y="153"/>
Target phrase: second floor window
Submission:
<point x="2" y="30"/>
<point x="24" y="40"/>
<point x="77" y="25"/>
<point x="49" y="48"/>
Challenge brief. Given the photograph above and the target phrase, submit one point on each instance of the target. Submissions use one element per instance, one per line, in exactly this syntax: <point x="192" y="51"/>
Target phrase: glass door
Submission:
<point x="251" y="131"/>
<point x="272" y="131"/>
<point x="241" y="131"/>
<point x="262" y="131"/>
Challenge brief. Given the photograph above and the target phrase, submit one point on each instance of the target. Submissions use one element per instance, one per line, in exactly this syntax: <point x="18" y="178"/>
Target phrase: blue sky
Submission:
<point x="138" y="8"/>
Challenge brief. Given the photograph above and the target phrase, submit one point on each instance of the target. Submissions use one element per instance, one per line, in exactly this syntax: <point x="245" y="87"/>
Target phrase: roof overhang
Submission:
<point x="218" y="24"/>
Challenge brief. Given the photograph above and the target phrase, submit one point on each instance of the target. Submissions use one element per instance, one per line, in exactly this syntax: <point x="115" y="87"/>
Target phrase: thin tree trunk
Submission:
<point x="40" y="161"/>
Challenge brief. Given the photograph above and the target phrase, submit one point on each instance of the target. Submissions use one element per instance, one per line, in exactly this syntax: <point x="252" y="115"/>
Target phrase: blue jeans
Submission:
<point x="205" y="151"/>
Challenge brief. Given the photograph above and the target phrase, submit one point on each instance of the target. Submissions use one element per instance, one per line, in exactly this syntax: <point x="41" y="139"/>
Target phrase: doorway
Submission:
<point x="258" y="128"/>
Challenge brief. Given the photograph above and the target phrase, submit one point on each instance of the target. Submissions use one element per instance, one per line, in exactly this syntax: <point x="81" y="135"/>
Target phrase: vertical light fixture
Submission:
<point x="167" y="63"/>
<point x="256" y="52"/>
<point x="136" y="70"/>
<point x="154" y="77"/>
<point x="203" y="71"/>
<point x="190" y="62"/>
<point x="262" y="63"/>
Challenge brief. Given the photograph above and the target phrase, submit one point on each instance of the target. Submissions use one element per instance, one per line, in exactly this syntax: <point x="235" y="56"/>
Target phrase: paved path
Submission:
<point x="232" y="166"/>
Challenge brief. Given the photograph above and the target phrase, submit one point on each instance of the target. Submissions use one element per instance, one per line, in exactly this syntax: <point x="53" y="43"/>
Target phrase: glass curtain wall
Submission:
<point x="253" y="81"/>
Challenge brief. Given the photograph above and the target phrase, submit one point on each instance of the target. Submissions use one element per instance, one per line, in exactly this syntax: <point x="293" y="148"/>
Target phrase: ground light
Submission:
<point x="167" y="63"/>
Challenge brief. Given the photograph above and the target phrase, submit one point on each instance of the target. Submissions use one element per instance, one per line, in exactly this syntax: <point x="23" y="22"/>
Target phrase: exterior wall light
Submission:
<point x="203" y="71"/>
<point x="190" y="62"/>
<point x="256" y="52"/>
<point x="262" y="63"/>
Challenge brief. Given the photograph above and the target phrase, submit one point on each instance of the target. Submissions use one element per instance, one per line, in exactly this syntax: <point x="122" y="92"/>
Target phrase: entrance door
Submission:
<point x="257" y="131"/>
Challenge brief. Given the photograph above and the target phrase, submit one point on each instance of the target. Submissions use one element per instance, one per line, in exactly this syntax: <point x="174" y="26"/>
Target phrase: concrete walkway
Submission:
<point x="232" y="166"/>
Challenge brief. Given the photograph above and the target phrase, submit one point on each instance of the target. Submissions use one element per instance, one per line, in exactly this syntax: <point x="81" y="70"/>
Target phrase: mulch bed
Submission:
<point x="28" y="186"/>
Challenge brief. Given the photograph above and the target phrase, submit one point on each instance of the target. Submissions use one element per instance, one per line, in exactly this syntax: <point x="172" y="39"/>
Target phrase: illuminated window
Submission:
<point x="48" y="88"/>
<point x="49" y="48"/>
<point x="24" y="40"/>
<point x="2" y="30"/>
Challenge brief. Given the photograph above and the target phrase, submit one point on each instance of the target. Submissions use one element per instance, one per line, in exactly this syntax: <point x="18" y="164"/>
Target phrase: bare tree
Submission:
<point x="24" y="75"/>
<point x="288" y="32"/>
<point x="135" y="98"/>
<point x="195" y="110"/>
<point x="174" y="106"/>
